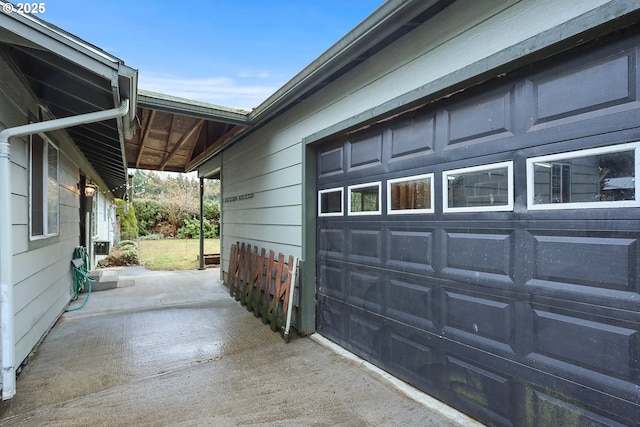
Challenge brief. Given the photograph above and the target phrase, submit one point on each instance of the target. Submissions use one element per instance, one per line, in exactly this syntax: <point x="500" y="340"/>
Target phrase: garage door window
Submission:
<point x="364" y="199"/>
<point x="410" y="195"/>
<point x="330" y="202"/>
<point x="479" y="188"/>
<point x="596" y="178"/>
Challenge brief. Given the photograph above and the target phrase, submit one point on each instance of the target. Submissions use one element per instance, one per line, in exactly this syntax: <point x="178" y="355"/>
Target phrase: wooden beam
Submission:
<point x="166" y="145"/>
<point x="195" y="128"/>
<point x="144" y="137"/>
<point x="219" y="142"/>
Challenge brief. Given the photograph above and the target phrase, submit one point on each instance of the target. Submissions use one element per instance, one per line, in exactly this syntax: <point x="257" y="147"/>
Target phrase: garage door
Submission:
<point x="486" y="248"/>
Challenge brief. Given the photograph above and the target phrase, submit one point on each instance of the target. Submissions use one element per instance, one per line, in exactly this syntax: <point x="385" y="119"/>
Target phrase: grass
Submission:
<point x="174" y="254"/>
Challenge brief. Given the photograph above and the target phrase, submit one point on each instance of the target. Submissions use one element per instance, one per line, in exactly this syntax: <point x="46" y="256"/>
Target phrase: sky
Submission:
<point x="233" y="53"/>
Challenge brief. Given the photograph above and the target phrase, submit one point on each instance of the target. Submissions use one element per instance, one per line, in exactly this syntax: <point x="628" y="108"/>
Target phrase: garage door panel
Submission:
<point x="365" y="244"/>
<point x="595" y="261"/>
<point x="484" y="118"/>
<point x="364" y="332"/>
<point x="365" y="153"/>
<point x="482" y="322"/>
<point x="364" y="289"/>
<point x="547" y="409"/>
<point x="486" y="389"/>
<point x="331" y="162"/>
<point x="331" y="318"/>
<point x="600" y="347"/>
<point x="332" y="278"/>
<point x="611" y="81"/>
<point x="478" y="256"/>
<point x="331" y="242"/>
<point x="411" y="301"/>
<point x="411" y="356"/>
<point x="412" y="138"/>
<point x="410" y="249"/>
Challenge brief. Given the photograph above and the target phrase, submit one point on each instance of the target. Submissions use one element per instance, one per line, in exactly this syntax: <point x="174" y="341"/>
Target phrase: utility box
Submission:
<point x="101" y="247"/>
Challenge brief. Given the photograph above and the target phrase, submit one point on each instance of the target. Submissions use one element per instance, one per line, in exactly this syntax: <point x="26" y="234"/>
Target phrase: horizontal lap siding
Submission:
<point x="520" y="317"/>
<point x="261" y="187"/>
<point x="43" y="276"/>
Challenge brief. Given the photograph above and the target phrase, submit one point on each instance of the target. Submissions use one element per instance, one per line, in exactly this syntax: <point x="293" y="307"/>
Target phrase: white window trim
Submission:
<point x="95" y="214"/>
<point x="45" y="161"/>
<point x="331" y="190"/>
<point x="431" y="178"/>
<point x="368" y="184"/>
<point x="480" y="168"/>
<point x="575" y="155"/>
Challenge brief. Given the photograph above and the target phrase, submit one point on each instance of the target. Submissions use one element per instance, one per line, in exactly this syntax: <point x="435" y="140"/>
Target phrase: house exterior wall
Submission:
<point x="42" y="273"/>
<point x="266" y="167"/>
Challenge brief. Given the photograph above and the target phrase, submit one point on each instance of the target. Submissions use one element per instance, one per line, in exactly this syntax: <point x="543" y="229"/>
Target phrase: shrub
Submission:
<point x="124" y="243"/>
<point x="166" y="229"/>
<point x="123" y="254"/>
<point x="191" y="229"/>
<point x="148" y="213"/>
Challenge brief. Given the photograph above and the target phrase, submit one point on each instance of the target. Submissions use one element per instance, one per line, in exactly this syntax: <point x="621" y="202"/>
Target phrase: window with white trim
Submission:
<point x="485" y="188"/>
<point x="330" y="202"/>
<point x="94" y="213"/>
<point x="593" y="178"/>
<point x="43" y="187"/>
<point x="410" y="195"/>
<point x="364" y="199"/>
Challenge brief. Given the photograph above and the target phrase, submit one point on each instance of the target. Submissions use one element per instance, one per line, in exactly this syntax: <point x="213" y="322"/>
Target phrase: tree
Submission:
<point x="128" y="221"/>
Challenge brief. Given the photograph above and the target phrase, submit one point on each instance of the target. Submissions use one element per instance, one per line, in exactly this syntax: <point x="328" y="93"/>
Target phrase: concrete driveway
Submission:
<point x="173" y="349"/>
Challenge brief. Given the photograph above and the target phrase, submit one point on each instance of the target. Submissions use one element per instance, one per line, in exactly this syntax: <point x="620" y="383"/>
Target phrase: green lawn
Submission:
<point x="174" y="254"/>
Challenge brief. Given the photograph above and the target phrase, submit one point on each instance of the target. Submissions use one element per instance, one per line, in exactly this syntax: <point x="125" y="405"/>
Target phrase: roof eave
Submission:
<point x="202" y="110"/>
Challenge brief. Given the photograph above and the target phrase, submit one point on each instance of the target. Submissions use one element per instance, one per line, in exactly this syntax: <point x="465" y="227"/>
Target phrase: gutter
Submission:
<point x="7" y="315"/>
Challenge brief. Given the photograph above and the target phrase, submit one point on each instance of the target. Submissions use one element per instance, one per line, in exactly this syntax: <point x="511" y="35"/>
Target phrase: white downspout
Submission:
<point x="6" y="249"/>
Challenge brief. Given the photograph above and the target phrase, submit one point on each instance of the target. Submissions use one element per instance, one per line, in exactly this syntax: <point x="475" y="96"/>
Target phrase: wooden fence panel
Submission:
<point x="262" y="284"/>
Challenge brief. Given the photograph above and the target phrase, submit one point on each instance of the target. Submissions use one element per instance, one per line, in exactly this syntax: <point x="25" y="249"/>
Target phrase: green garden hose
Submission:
<point x="80" y="275"/>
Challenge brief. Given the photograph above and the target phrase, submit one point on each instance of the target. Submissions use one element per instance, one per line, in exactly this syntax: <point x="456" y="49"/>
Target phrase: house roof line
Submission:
<point x="187" y="107"/>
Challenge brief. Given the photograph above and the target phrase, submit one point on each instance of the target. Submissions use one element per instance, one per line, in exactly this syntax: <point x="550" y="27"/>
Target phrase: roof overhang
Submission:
<point x="177" y="133"/>
<point x="70" y="77"/>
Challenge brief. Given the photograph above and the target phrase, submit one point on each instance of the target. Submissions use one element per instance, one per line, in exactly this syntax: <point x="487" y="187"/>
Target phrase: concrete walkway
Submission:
<point x="173" y="349"/>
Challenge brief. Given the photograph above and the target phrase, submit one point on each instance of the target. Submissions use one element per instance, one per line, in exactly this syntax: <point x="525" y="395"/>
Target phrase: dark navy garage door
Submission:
<point x="486" y="248"/>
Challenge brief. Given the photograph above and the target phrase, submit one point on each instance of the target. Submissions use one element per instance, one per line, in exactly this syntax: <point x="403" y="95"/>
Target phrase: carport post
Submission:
<point x="201" y="224"/>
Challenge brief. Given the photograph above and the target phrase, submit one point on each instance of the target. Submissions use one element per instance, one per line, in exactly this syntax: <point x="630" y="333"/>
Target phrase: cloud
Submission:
<point x="223" y="91"/>
<point x="254" y="75"/>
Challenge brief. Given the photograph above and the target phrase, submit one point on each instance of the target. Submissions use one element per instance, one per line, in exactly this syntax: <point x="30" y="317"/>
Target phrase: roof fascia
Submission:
<point x="186" y="107"/>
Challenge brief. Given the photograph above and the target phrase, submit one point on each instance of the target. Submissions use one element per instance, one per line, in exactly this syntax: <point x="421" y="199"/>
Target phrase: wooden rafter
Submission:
<point x="174" y="118"/>
<point x="185" y="137"/>
<point x="144" y="137"/>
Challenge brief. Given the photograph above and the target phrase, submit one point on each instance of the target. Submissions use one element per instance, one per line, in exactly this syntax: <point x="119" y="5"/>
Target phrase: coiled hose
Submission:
<point x="80" y="275"/>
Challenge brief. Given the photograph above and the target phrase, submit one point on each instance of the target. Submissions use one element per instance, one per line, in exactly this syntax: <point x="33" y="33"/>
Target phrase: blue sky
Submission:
<point x="233" y="53"/>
